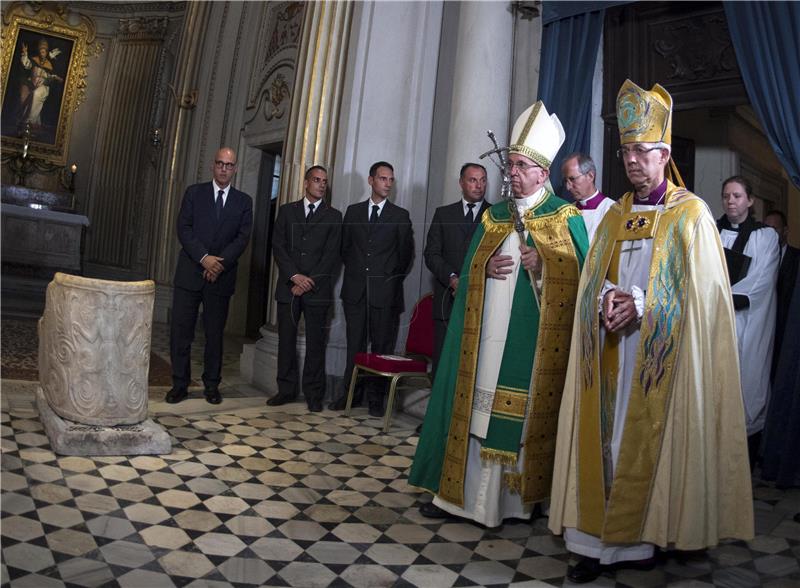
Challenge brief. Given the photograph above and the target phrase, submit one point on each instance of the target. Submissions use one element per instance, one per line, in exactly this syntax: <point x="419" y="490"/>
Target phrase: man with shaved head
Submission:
<point x="213" y="226"/>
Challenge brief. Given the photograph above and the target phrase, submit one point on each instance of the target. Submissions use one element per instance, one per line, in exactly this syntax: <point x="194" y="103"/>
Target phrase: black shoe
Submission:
<point x="341" y="402"/>
<point x="280" y="399"/>
<point x="375" y="409"/>
<point x="213" y="396"/>
<point x="644" y="565"/>
<point x="430" y="511"/>
<point x="176" y="395"/>
<point x="586" y="570"/>
<point x="315" y="405"/>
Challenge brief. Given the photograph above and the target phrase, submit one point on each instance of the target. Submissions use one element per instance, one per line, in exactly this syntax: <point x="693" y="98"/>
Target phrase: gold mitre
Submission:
<point x="537" y="135"/>
<point x="642" y="116"/>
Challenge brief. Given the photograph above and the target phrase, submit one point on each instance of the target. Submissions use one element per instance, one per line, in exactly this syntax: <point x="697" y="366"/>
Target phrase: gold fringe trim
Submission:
<point x="513" y="481"/>
<point x="491" y="225"/>
<point x="506" y="458"/>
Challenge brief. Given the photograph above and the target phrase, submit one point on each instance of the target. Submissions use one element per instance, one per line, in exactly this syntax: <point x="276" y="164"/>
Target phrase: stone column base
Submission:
<point x="258" y="363"/>
<point x="414" y="401"/>
<point x="70" y="438"/>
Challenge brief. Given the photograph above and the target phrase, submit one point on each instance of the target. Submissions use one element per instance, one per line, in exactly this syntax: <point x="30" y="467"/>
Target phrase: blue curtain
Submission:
<point x="569" y="53"/>
<point x="764" y="36"/>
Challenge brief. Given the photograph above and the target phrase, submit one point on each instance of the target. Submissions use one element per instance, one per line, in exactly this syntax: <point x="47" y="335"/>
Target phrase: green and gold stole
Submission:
<point x="534" y="358"/>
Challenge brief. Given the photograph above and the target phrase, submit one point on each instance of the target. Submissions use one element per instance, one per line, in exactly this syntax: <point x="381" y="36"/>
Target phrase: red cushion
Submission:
<point x="382" y="363"/>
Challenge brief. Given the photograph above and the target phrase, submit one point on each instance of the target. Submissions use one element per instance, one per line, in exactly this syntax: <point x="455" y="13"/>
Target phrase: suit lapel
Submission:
<point x="299" y="211"/>
<point x="458" y="217"/>
<point x="319" y="211"/>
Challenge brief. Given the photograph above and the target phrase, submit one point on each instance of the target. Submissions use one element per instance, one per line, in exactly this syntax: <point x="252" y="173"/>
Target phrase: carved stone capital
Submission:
<point x="143" y="27"/>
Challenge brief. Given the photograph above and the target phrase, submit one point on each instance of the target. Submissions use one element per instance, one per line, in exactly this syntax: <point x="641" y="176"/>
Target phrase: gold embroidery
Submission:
<point x="451" y="485"/>
<point x="560" y="276"/>
<point x="506" y="458"/>
<point x="620" y="519"/>
<point x="510" y="403"/>
<point x="637" y="225"/>
<point x="512" y="481"/>
<point x="553" y="240"/>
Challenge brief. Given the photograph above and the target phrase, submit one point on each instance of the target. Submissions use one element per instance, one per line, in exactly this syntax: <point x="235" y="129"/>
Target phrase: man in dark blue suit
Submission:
<point x="449" y="237"/>
<point x="377" y="248"/>
<point x="214" y="226"/>
<point x="306" y="240"/>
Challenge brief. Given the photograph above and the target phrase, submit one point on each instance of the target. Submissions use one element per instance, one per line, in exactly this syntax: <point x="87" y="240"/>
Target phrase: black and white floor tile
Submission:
<point x="260" y="496"/>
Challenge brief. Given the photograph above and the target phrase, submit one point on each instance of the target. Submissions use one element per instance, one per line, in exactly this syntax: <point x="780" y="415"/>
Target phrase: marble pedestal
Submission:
<point x="94" y="357"/>
<point x="71" y="438"/>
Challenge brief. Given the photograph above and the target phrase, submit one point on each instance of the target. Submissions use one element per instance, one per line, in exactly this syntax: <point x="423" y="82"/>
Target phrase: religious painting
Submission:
<point x="44" y="60"/>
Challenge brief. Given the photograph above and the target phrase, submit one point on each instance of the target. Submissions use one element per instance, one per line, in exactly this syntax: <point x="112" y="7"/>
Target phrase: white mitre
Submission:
<point x="537" y="135"/>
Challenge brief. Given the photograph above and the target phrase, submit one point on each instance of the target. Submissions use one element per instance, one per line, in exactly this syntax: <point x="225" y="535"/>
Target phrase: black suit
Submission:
<point x="448" y="240"/>
<point x="311" y="248"/>
<point x="376" y="260"/>
<point x="787" y="276"/>
<point x="201" y="233"/>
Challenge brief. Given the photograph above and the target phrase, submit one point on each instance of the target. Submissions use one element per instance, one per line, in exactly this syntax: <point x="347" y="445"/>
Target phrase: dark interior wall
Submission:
<point x="685" y="47"/>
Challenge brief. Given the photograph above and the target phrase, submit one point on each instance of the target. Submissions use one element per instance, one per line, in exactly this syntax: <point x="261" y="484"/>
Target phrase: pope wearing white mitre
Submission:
<point x="651" y="447"/>
<point x="487" y="443"/>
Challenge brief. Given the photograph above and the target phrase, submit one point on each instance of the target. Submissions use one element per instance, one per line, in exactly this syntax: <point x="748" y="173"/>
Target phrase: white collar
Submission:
<point x="523" y="204"/>
<point x="307" y="202"/>
<point x="585" y="200"/>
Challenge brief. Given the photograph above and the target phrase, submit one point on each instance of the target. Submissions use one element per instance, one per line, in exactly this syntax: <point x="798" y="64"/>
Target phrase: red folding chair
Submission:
<point x="414" y="364"/>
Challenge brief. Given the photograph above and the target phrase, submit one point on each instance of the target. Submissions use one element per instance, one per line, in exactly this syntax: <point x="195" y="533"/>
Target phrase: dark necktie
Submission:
<point x="470" y="216"/>
<point x="310" y="212"/>
<point x="373" y="218"/>
<point x="219" y="204"/>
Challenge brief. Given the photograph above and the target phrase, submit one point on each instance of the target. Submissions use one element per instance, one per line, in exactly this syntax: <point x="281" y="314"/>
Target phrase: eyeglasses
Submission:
<point x="573" y="179"/>
<point x="521" y="166"/>
<point x="638" y="151"/>
<point x="224" y="164"/>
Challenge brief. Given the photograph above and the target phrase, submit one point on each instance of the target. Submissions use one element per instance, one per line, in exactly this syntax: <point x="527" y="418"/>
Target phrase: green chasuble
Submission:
<point x="534" y="362"/>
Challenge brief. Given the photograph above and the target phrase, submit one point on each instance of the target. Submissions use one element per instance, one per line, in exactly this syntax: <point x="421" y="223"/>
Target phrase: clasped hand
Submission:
<point x="619" y="310"/>
<point x="212" y="267"/>
<point x="302" y="284"/>
<point x="499" y="266"/>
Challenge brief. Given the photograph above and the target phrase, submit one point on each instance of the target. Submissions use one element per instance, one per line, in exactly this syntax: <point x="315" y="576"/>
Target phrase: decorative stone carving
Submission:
<point x="278" y="91"/>
<point x="281" y="26"/>
<point x="695" y="48"/>
<point x="143" y="27"/>
<point x="94" y="349"/>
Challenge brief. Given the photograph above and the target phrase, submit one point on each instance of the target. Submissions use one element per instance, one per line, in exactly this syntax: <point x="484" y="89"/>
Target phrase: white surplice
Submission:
<point x="755" y="325"/>
<point x="593" y="217"/>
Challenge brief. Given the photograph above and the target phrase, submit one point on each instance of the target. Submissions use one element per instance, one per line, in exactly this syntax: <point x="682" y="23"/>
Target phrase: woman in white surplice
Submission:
<point x="754" y="299"/>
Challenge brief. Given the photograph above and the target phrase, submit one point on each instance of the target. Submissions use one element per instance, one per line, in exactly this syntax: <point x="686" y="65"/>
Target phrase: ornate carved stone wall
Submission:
<point x="269" y="94"/>
<point x="94" y="349"/>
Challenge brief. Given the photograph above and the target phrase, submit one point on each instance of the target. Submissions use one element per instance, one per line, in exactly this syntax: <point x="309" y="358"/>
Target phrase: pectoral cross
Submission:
<point x="629" y="248"/>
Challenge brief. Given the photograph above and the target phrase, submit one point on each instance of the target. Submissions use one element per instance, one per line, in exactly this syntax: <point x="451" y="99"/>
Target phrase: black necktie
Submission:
<point x="310" y="212"/>
<point x="219" y="203"/>
<point x="470" y="216"/>
<point x="373" y="218"/>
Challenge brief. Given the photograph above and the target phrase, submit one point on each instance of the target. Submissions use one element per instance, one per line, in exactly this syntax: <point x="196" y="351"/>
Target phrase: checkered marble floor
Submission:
<point x="260" y="496"/>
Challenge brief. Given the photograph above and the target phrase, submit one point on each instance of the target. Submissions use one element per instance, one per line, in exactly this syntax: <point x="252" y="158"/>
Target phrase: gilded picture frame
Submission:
<point x="45" y="53"/>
